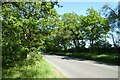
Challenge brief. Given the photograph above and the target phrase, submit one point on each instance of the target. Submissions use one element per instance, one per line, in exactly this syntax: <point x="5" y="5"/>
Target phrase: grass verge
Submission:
<point x="106" y="58"/>
<point x="35" y="67"/>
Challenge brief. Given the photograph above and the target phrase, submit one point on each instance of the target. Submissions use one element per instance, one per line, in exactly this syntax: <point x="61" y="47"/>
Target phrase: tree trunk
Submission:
<point x="113" y="40"/>
<point x="78" y="43"/>
<point x="91" y="46"/>
<point x="65" y="48"/>
<point x="75" y="43"/>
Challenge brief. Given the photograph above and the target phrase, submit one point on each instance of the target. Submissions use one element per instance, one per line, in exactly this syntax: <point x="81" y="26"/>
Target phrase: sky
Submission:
<point x="81" y="7"/>
<point x="87" y="0"/>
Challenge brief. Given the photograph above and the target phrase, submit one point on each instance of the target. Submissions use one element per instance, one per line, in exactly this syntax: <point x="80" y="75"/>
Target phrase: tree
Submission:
<point x="114" y="20"/>
<point x="72" y="25"/>
<point x="20" y="28"/>
<point x="96" y="26"/>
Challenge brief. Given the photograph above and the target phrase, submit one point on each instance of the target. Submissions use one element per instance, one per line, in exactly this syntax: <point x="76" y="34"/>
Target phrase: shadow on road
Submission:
<point x="81" y="59"/>
<point x="72" y="58"/>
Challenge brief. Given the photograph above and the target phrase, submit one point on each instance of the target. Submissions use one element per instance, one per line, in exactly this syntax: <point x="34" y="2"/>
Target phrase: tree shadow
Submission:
<point x="92" y="61"/>
<point x="72" y="58"/>
<point x="105" y="63"/>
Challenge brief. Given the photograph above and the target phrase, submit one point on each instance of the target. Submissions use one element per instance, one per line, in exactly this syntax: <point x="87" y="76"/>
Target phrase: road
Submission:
<point x="80" y="68"/>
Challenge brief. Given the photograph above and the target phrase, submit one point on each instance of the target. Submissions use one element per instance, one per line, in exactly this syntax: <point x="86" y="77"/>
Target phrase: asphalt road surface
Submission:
<point x="80" y="68"/>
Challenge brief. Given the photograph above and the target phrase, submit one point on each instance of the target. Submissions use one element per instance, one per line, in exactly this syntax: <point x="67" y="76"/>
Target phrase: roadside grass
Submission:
<point x="111" y="58"/>
<point x="35" y="67"/>
<point x="107" y="58"/>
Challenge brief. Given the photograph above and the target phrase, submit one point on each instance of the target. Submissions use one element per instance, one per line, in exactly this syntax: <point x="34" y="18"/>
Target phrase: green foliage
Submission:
<point x="78" y="29"/>
<point x="29" y="27"/>
<point x="20" y="28"/>
<point x="96" y="27"/>
<point x="71" y="30"/>
<point x="33" y="67"/>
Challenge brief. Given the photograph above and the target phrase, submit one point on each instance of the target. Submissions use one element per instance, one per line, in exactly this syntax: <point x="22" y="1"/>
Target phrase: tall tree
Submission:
<point x="96" y="26"/>
<point x="114" y="20"/>
<point x="71" y="23"/>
